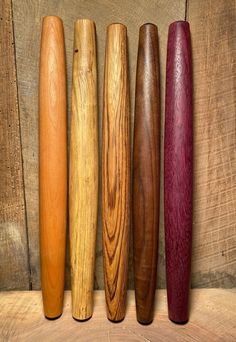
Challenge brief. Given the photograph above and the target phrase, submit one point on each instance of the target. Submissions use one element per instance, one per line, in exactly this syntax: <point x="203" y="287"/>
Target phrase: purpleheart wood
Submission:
<point x="146" y="171"/>
<point x="178" y="170"/>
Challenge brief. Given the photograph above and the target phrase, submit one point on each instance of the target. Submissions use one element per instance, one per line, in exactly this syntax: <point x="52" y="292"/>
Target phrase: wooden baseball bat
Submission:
<point x="146" y="172"/>
<point x="116" y="171"/>
<point x="52" y="165"/>
<point x="178" y="170"/>
<point x="83" y="169"/>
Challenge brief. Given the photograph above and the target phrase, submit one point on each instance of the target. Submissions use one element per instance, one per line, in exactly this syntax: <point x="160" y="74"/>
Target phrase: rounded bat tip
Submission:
<point x="53" y="318"/>
<point x="116" y="321"/>
<point x="117" y="25"/>
<point x="82" y="320"/>
<point x="179" y="23"/>
<point x="144" y="322"/>
<point x="52" y="18"/>
<point x="85" y="21"/>
<point x="179" y="322"/>
<point x="148" y="27"/>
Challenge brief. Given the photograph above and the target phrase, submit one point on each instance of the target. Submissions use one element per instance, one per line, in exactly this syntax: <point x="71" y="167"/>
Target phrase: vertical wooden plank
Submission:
<point x="13" y="239"/>
<point x="27" y="21"/>
<point x="214" y="60"/>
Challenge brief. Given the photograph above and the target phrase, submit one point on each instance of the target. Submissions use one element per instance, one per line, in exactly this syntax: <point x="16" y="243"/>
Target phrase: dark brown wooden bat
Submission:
<point x="146" y="172"/>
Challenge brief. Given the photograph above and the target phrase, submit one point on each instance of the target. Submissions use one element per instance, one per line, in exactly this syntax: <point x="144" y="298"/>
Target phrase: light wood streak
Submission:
<point x="83" y="169"/>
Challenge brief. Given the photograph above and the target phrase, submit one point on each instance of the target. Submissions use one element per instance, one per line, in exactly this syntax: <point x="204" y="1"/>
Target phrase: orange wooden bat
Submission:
<point x="52" y="165"/>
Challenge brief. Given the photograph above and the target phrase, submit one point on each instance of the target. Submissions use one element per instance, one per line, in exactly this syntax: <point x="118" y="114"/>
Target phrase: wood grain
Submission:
<point x="208" y="321"/>
<point x="52" y="165"/>
<point x="116" y="171"/>
<point x="146" y="172"/>
<point x="14" y="269"/>
<point x="83" y="169"/>
<point x="178" y="170"/>
<point x="214" y="44"/>
<point x="214" y="74"/>
<point x="28" y="15"/>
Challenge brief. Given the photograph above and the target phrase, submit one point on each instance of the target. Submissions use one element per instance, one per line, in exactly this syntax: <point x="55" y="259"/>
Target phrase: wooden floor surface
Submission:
<point x="212" y="318"/>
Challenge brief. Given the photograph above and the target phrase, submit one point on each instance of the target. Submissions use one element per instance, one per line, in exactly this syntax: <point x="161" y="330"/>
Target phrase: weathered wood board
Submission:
<point x="14" y="270"/>
<point x="214" y="71"/>
<point x="27" y="22"/>
<point x="21" y="319"/>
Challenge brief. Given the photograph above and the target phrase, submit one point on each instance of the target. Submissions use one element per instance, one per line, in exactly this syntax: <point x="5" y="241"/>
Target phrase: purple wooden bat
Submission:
<point x="178" y="170"/>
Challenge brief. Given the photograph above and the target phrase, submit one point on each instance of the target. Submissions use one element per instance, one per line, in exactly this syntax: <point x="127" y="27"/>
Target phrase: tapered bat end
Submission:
<point x="85" y="21"/>
<point x="53" y="318"/>
<point x="179" y="23"/>
<point x="118" y="25"/>
<point x="148" y="27"/>
<point x="179" y="323"/>
<point x="52" y="19"/>
<point x="82" y="320"/>
<point x="114" y="321"/>
<point x="84" y="24"/>
<point x="145" y="322"/>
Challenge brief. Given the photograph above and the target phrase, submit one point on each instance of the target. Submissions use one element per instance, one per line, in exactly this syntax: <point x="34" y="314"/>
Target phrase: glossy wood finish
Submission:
<point x="178" y="170"/>
<point x="116" y="171"/>
<point x="83" y="169"/>
<point x="53" y="165"/>
<point x="146" y="172"/>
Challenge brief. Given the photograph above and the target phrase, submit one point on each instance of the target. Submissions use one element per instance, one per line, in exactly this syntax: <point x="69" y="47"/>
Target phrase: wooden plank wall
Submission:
<point x="14" y="270"/>
<point x="214" y="57"/>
